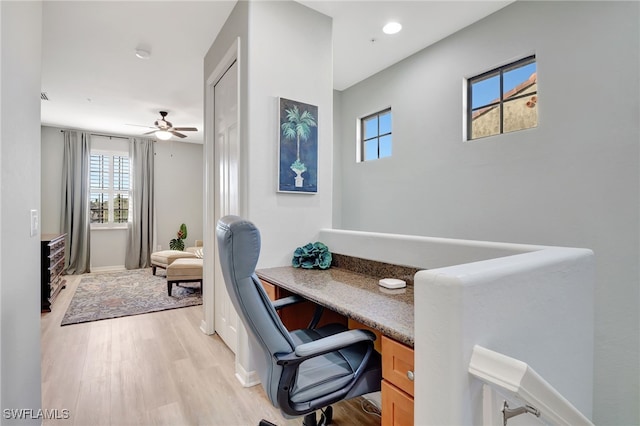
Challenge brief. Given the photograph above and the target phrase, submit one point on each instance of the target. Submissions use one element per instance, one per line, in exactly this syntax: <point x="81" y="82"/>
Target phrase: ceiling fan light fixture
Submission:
<point x="163" y="135"/>
<point x="392" y="28"/>
<point x="143" y="53"/>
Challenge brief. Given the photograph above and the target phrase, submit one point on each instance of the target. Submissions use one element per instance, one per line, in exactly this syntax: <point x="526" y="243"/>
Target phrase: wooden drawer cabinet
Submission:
<point x="52" y="267"/>
<point x="397" y="406"/>
<point x="397" y="383"/>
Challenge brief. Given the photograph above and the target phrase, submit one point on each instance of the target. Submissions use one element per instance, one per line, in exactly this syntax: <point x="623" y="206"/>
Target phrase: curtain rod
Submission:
<point x="108" y="136"/>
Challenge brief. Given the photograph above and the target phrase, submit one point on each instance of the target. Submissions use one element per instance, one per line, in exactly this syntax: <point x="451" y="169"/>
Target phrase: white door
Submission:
<point x="227" y="156"/>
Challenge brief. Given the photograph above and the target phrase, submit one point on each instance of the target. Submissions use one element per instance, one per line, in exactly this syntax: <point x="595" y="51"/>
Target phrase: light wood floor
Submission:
<point x="152" y="369"/>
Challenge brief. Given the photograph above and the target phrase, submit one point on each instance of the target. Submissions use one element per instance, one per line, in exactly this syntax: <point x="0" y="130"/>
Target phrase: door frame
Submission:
<point x="244" y="370"/>
<point x="211" y="209"/>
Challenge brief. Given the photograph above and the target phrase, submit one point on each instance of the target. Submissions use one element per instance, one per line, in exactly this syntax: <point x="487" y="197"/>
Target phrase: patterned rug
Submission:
<point x="119" y="294"/>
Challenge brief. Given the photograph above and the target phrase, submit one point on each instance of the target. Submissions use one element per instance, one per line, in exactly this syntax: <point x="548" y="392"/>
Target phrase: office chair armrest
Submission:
<point x="325" y="345"/>
<point x="287" y="301"/>
<point x="333" y="342"/>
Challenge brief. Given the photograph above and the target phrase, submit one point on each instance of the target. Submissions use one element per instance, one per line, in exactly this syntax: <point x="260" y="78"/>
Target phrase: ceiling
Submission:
<point x="95" y="82"/>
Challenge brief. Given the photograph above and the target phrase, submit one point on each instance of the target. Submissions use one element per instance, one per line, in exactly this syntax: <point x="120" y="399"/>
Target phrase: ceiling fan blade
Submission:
<point x="148" y="133"/>
<point x="185" y="129"/>
<point x="180" y="135"/>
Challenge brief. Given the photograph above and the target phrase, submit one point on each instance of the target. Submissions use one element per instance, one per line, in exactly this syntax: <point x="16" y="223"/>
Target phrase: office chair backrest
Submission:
<point x="239" y="249"/>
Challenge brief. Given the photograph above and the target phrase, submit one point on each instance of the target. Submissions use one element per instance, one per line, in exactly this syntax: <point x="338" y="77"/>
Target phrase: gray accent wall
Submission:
<point x="571" y="181"/>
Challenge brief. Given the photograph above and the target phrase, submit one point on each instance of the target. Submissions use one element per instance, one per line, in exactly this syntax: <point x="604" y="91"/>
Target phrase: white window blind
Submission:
<point x="109" y="177"/>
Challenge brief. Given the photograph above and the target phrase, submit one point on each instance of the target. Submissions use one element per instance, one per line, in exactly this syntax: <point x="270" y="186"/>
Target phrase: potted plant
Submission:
<point x="178" y="243"/>
<point x="312" y="255"/>
<point x="298" y="168"/>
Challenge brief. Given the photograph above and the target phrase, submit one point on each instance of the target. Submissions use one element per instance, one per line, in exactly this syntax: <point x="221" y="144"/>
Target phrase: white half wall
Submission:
<point x="20" y="59"/>
<point x="533" y="303"/>
<point x="536" y="307"/>
<point x="416" y="251"/>
<point x="572" y="181"/>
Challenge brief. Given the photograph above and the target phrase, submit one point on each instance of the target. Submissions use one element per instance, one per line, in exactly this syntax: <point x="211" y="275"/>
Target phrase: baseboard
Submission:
<point x="205" y="329"/>
<point x="115" y="268"/>
<point x="246" y="378"/>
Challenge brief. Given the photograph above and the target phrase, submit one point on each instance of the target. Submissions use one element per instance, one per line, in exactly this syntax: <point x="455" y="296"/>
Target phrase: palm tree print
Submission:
<point x="298" y="126"/>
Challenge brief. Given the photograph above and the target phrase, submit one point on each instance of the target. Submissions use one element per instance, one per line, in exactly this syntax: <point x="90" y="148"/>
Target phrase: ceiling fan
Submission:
<point x="164" y="129"/>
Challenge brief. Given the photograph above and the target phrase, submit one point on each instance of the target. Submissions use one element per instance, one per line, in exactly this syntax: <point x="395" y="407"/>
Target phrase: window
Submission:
<point x="109" y="187"/>
<point x="503" y="100"/>
<point x="375" y="136"/>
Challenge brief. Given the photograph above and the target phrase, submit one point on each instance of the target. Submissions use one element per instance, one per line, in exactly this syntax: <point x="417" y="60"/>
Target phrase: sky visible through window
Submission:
<point x="377" y="135"/>
<point x="487" y="91"/>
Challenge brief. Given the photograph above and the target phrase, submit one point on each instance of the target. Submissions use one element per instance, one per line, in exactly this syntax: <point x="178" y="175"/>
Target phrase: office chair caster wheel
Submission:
<point x="310" y="420"/>
<point x="327" y="416"/>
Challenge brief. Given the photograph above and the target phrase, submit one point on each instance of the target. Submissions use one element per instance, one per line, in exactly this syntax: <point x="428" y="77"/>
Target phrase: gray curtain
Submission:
<point x="140" y="225"/>
<point x="74" y="218"/>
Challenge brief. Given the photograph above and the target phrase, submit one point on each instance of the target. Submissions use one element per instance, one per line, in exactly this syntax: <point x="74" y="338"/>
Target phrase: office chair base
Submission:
<point x="325" y="418"/>
<point x="263" y="422"/>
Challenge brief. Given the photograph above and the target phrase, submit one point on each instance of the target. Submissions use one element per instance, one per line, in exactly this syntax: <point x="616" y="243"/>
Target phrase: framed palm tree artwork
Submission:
<point x="298" y="147"/>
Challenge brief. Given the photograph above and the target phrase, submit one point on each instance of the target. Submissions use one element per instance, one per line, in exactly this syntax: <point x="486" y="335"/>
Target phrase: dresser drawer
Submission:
<point x="397" y="406"/>
<point x="397" y="364"/>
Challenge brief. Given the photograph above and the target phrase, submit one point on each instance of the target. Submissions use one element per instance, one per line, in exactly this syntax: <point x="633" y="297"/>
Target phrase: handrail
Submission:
<point x="515" y="378"/>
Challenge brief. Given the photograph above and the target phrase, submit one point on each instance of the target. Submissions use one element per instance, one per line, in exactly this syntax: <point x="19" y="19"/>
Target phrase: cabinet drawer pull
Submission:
<point x="410" y="375"/>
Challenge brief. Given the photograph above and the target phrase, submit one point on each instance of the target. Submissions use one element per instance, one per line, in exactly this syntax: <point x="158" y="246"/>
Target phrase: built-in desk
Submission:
<point x="360" y="298"/>
<point x="351" y="294"/>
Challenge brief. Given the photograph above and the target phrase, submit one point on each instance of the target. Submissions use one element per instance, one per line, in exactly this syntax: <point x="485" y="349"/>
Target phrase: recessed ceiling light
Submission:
<point x="143" y="54"/>
<point x="392" y="28"/>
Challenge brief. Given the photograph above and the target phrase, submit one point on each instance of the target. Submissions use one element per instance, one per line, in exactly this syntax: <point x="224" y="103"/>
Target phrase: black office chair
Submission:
<point x="302" y="370"/>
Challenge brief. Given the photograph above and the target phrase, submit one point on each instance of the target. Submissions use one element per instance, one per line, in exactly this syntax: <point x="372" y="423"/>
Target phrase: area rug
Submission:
<point x="118" y="294"/>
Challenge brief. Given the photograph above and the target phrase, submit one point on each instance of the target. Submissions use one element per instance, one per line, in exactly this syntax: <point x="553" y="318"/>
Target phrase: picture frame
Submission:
<point x="297" y="147"/>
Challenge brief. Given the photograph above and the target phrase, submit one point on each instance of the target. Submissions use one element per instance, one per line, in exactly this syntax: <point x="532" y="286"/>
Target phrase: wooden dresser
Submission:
<point x="52" y="266"/>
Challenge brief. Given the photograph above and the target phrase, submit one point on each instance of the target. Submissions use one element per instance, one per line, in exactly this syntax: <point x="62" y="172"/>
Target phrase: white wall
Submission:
<point x="304" y="73"/>
<point x="21" y="30"/>
<point x="286" y="221"/>
<point x="572" y="181"/>
<point x="178" y="194"/>
<point x="337" y="160"/>
<point x="179" y="169"/>
<point x="52" y="150"/>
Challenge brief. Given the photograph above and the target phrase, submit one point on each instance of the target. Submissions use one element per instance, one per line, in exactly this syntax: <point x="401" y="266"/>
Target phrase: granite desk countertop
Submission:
<point x="354" y="295"/>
